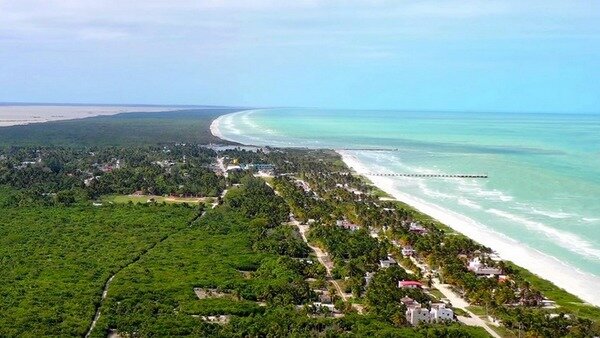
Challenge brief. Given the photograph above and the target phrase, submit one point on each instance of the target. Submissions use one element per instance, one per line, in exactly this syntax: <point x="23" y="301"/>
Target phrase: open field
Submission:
<point x="158" y="199"/>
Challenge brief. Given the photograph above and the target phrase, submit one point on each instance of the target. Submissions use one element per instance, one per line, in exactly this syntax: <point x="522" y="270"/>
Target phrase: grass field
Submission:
<point x="120" y="199"/>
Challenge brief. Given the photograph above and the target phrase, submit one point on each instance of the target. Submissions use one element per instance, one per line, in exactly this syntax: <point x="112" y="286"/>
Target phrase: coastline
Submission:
<point x="579" y="284"/>
<point x="12" y="115"/>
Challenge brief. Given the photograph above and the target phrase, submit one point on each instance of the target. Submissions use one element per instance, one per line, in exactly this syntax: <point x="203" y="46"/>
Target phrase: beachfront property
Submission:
<point x="386" y="263"/>
<point x="417" y="228"/>
<point x="476" y="266"/>
<point x="410" y="284"/>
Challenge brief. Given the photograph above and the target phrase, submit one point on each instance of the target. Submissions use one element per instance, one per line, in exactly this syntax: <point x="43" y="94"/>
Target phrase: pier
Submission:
<point x="430" y="175"/>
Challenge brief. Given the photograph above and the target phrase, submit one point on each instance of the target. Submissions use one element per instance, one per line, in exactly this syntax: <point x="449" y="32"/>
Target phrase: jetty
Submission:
<point x="416" y="175"/>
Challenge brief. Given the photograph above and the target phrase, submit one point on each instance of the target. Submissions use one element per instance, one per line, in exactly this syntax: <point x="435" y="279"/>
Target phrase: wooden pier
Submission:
<point x="430" y="175"/>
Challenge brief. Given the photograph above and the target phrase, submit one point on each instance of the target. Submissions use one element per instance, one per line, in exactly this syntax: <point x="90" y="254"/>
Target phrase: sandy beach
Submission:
<point x="26" y="114"/>
<point x="580" y="284"/>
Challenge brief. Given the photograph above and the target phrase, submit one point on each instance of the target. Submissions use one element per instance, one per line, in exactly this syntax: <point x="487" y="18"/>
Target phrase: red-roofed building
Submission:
<point x="410" y="284"/>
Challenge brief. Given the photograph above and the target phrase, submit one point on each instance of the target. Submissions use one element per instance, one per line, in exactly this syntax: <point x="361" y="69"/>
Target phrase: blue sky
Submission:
<point x="439" y="55"/>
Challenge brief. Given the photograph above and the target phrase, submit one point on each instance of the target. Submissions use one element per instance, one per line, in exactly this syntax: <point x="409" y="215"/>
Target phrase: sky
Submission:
<point x="475" y="55"/>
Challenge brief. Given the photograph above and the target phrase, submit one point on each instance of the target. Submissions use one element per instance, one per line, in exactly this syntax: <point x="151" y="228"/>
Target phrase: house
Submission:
<point x="347" y="225"/>
<point x="386" y="263"/>
<point x="481" y="269"/>
<point x="417" y="228"/>
<point x="408" y="302"/>
<point x="368" y="277"/>
<point x="439" y="312"/>
<point x="417" y="314"/>
<point x="233" y="168"/>
<point x="410" y="284"/>
<point x="407" y="251"/>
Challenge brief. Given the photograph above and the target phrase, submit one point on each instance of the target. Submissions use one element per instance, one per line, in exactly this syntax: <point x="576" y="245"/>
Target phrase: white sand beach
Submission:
<point x="567" y="277"/>
<point x="25" y="114"/>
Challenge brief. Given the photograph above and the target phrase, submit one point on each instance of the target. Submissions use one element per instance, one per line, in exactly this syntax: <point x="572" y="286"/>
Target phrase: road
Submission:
<point x="324" y="259"/>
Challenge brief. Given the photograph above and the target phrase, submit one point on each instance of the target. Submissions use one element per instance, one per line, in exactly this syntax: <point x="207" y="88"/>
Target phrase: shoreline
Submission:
<point x="536" y="262"/>
<point x="18" y="115"/>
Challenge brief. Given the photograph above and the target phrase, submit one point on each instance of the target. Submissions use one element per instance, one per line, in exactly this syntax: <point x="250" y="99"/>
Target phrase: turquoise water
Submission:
<point x="543" y="190"/>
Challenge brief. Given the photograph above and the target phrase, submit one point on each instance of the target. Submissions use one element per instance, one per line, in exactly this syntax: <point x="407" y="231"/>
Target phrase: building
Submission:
<point x="407" y="251"/>
<point x="347" y="225"/>
<point x="439" y="313"/>
<point x="417" y="228"/>
<point x="368" y="277"/>
<point x="408" y="302"/>
<point x="481" y="269"/>
<point x="233" y="168"/>
<point x="416" y="314"/>
<point x="410" y="284"/>
<point x="386" y="263"/>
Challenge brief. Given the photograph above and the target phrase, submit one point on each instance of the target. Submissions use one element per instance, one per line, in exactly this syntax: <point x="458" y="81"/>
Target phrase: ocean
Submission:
<point x="539" y="206"/>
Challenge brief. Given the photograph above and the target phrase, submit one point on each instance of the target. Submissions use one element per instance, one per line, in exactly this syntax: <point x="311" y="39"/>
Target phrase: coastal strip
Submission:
<point x="578" y="283"/>
<point x="574" y="281"/>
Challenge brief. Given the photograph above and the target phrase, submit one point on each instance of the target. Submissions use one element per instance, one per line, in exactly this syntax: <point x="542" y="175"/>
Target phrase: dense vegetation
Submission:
<point x="48" y="175"/>
<point x="127" y="129"/>
<point x="55" y="261"/>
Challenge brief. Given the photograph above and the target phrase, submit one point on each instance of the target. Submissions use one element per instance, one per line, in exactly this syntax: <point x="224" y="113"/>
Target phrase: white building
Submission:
<point x="481" y="269"/>
<point x="415" y="314"/>
<point x="369" y="277"/>
<point x="439" y="312"/>
<point x="386" y="263"/>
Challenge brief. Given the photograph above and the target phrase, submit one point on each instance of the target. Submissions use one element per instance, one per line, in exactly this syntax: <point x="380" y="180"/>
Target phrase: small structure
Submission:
<point x="408" y="302"/>
<point x="407" y="251"/>
<point x="481" y="269"/>
<point x="347" y="225"/>
<point x="439" y="312"/>
<point x="233" y="168"/>
<point x="417" y="228"/>
<point x="386" y="263"/>
<point x="410" y="284"/>
<point x="368" y="277"/>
